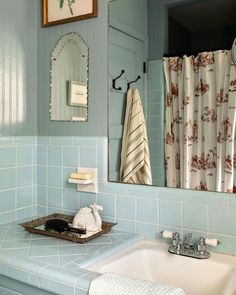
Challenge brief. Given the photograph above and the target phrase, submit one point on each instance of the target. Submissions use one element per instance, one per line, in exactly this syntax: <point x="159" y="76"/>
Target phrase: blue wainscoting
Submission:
<point x="142" y="209"/>
<point x="18" y="177"/>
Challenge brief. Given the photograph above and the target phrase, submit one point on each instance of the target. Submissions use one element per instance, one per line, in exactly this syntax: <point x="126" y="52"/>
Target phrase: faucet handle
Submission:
<point x="212" y="242"/>
<point x="167" y="234"/>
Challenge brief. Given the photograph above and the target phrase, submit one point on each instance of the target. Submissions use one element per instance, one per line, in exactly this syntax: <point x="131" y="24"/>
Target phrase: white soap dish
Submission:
<point x="86" y="185"/>
<point x="80" y="181"/>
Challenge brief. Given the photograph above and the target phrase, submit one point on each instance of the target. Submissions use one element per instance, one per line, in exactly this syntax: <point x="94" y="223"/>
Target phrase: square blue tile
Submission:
<point x="35" y="155"/>
<point x="42" y="155"/>
<point x="148" y="230"/>
<point x="42" y="195"/>
<point x="116" y="188"/>
<point x="147" y="210"/>
<point x="61" y="140"/>
<point x="88" y="157"/>
<point x="70" y="199"/>
<point x="85" y="141"/>
<point x="55" y="155"/>
<point x="195" y="216"/>
<point x="8" y="178"/>
<point x="66" y="174"/>
<point x="102" y="162"/>
<point x="24" y="155"/>
<point x="173" y="194"/>
<point x="24" y="196"/>
<point x="44" y="140"/>
<point x="125" y="225"/>
<point x="25" y="140"/>
<point x="24" y="176"/>
<point x="209" y="198"/>
<point x="170" y="213"/>
<point x="7" y="200"/>
<point x="7" y="216"/>
<point x="42" y="210"/>
<point x="7" y="157"/>
<point x="223" y="220"/>
<point x="108" y="203"/>
<point x="6" y="141"/>
<point x="55" y="176"/>
<point x="141" y="191"/>
<point x="87" y="199"/>
<point x="55" y="197"/>
<point x="125" y="207"/>
<point x="42" y="175"/>
<point x="22" y="213"/>
<point x="70" y="156"/>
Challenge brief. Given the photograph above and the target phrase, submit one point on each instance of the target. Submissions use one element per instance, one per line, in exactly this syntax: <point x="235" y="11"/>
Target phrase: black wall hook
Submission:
<point x="128" y="85"/>
<point x="114" y="81"/>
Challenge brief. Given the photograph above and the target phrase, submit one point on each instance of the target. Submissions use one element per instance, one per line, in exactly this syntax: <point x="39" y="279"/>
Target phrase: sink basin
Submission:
<point x="150" y="260"/>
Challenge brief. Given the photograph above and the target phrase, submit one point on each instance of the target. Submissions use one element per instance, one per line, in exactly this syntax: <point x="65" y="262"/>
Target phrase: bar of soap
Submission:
<point x="82" y="176"/>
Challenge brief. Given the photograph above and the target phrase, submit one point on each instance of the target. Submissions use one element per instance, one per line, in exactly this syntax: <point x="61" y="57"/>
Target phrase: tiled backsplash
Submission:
<point x="142" y="209"/>
<point x="18" y="177"/>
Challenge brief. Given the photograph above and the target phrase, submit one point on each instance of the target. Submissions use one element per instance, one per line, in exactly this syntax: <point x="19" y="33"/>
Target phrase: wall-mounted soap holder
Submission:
<point x="86" y="185"/>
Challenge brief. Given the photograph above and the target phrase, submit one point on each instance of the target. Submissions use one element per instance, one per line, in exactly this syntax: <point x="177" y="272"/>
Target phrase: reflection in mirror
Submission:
<point x="189" y="82"/>
<point x="69" y="79"/>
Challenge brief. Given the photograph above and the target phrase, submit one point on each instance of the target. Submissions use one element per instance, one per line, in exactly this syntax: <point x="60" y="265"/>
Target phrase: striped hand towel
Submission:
<point x="135" y="162"/>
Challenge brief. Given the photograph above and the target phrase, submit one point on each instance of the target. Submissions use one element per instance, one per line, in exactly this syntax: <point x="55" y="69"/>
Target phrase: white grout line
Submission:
<point x="39" y="272"/>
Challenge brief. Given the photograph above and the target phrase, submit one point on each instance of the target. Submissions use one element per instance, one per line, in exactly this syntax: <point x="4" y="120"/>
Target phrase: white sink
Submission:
<point x="150" y="260"/>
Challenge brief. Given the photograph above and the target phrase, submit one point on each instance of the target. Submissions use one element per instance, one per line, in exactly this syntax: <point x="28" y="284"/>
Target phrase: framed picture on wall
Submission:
<point x="56" y="12"/>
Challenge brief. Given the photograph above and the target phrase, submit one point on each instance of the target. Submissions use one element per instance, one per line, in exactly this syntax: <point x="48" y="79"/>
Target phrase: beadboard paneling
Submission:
<point x="94" y="33"/>
<point x="18" y="67"/>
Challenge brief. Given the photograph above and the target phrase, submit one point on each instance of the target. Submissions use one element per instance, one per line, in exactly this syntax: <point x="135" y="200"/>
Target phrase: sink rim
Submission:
<point x="159" y="246"/>
<point x="222" y="260"/>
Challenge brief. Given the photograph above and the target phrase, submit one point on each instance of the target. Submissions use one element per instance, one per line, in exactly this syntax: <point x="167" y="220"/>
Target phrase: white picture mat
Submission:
<point x="80" y="7"/>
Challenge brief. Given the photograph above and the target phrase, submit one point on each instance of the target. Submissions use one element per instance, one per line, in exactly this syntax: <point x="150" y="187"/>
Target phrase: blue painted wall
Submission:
<point x="18" y="67"/>
<point x="155" y="122"/>
<point x="94" y="33"/>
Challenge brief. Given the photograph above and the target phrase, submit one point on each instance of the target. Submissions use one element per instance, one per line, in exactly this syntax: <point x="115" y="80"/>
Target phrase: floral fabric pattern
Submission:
<point x="200" y="135"/>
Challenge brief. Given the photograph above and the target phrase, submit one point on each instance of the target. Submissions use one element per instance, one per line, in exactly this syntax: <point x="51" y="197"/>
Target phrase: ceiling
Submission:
<point x="205" y="14"/>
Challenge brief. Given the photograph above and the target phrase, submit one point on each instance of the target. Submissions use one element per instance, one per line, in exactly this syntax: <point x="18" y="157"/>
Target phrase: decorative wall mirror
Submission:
<point x="69" y="79"/>
<point x="202" y="31"/>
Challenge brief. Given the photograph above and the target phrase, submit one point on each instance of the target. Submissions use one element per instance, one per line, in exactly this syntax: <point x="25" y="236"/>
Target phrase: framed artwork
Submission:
<point x="56" y="12"/>
<point x="78" y="94"/>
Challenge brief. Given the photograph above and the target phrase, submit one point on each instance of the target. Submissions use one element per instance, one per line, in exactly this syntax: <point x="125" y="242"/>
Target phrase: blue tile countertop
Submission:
<point x="52" y="264"/>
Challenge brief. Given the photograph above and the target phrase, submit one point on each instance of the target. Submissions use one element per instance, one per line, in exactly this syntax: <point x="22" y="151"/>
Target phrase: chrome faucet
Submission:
<point x="187" y="247"/>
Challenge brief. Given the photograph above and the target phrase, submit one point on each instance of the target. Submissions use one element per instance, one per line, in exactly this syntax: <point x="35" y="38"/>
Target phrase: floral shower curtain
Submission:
<point x="200" y="144"/>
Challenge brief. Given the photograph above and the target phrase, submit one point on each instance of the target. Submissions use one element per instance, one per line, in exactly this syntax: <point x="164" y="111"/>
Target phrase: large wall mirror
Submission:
<point x="176" y="54"/>
<point x="69" y="79"/>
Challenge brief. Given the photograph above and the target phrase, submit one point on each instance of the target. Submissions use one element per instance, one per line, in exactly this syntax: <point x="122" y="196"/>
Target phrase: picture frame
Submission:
<point x="56" y="12"/>
<point x="78" y="94"/>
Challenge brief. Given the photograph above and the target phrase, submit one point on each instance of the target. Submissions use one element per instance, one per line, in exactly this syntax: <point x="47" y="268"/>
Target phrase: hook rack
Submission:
<point x="128" y="85"/>
<point x="114" y="81"/>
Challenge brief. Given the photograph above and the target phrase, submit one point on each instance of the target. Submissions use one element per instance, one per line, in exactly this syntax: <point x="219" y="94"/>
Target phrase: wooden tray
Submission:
<point x="36" y="226"/>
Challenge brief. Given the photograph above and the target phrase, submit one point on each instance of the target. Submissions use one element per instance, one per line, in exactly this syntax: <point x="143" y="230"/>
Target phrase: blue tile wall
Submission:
<point x="40" y="181"/>
<point x="18" y="177"/>
<point x="142" y="209"/>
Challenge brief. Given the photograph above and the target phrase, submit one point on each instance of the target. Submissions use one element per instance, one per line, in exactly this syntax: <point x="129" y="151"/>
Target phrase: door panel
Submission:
<point x="125" y="53"/>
